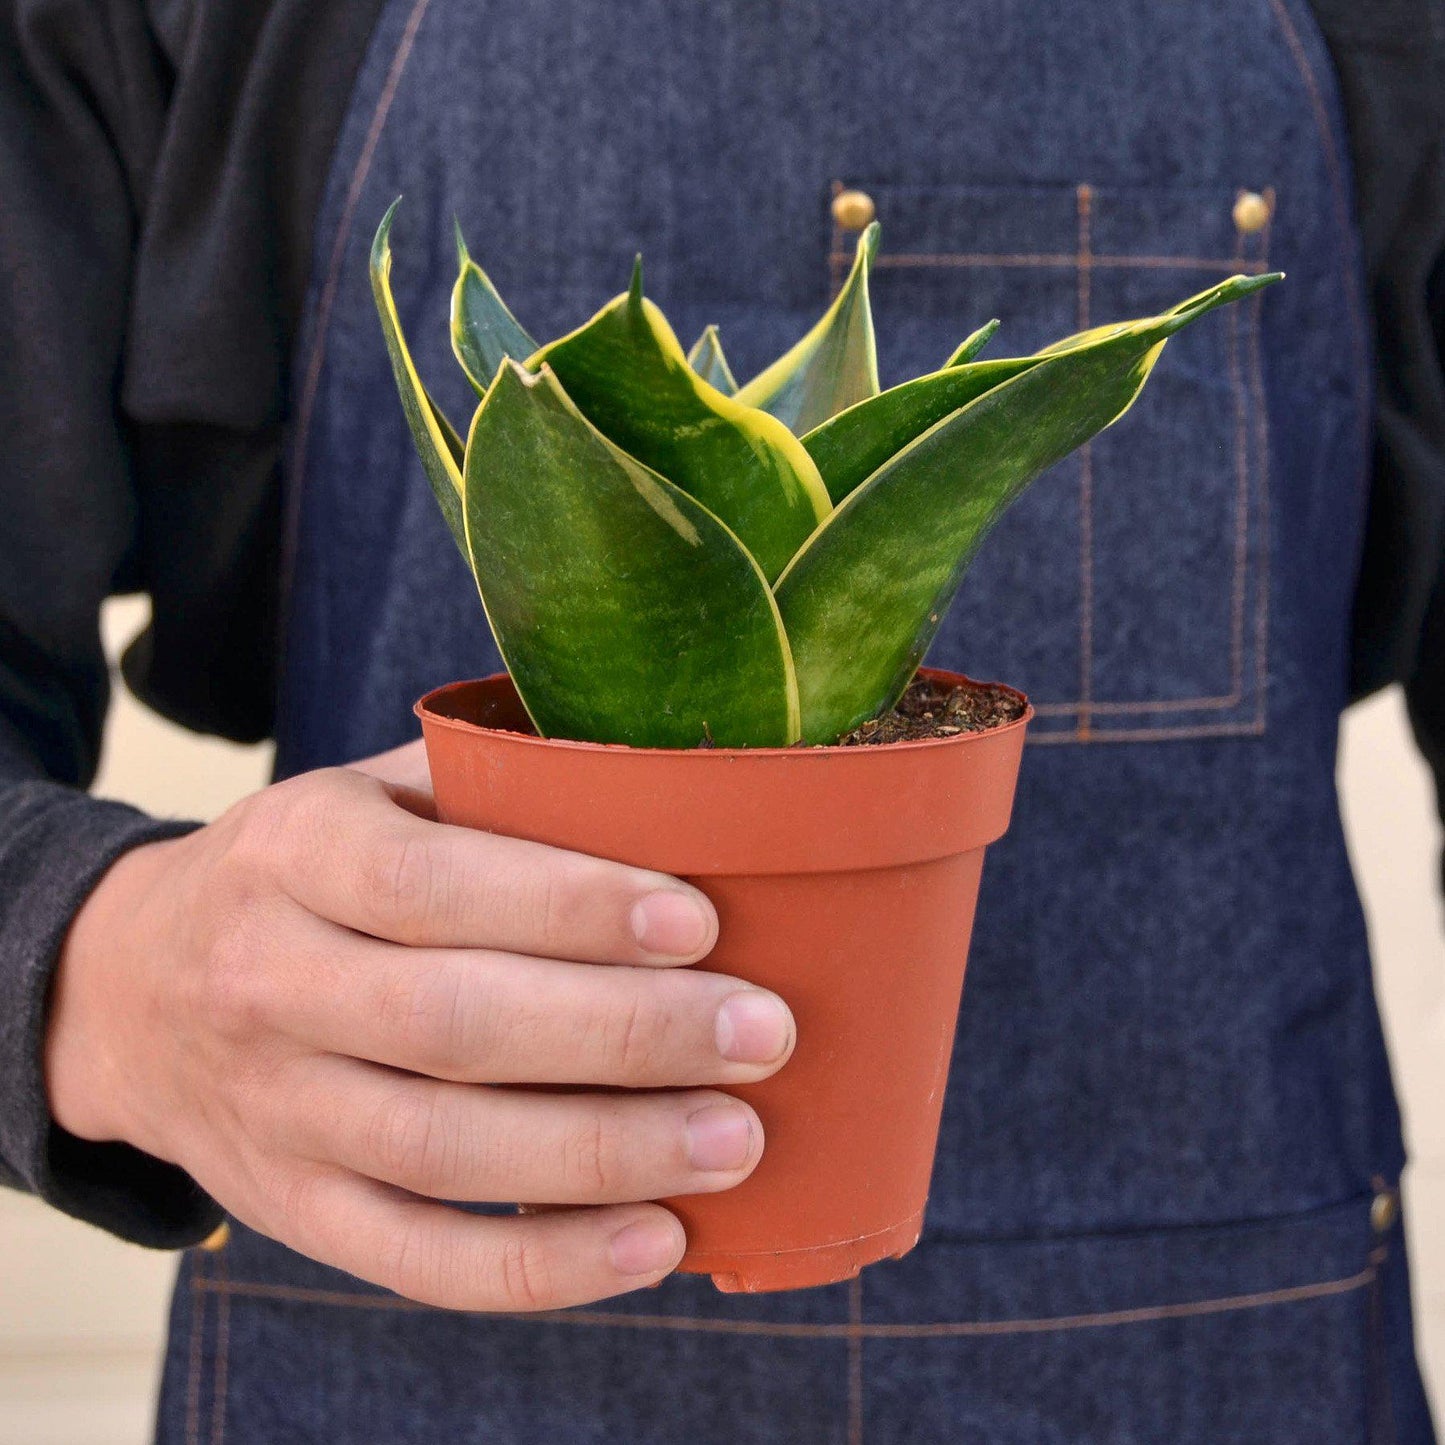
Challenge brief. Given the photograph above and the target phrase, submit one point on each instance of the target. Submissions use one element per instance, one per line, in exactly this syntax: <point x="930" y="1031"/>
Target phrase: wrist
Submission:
<point x="99" y="997"/>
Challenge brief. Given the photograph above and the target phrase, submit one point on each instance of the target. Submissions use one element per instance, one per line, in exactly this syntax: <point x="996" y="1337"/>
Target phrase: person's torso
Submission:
<point x="1168" y="1097"/>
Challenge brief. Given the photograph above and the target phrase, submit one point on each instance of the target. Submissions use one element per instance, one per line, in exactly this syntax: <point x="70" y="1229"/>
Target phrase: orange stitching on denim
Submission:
<point x="193" y="1370"/>
<point x="1148" y="1314"/>
<point x="1252" y="729"/>
<point x="855" y="1360"/>
<point x="324" y="306"/>
<point x="773" y="1329"/>
<point x="221" y="1383"/>
<point x="1084" y="199"/>
<point x="1153" y="704"/>
<point x="944" y="259"/>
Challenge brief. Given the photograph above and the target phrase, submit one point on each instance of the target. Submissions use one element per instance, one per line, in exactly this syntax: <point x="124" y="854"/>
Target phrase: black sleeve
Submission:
<point x="1391" y="64"/>
<point x="82" y="99"/>
<point x="160" y="167"/>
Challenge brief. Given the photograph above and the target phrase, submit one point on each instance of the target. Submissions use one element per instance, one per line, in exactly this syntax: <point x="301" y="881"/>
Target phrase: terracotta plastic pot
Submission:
<point x="845" y="880"/>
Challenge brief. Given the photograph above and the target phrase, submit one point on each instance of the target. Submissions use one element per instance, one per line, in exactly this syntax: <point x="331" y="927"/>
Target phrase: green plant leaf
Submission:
<point x="862" y="600"/>
<point x="834" y="365"/>
<point x="437" y="442"/>
<point x="973" y="344"/>
<point x="851" y="446"/>
<point x="707" y="359"/>
<point x="625" y="610"/>
<point x="627" y="374"/>
<point x="483" y="329"/>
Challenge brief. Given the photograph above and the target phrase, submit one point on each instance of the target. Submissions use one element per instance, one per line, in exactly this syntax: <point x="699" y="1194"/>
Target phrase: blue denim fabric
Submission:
<point x="1170" y="1106"/>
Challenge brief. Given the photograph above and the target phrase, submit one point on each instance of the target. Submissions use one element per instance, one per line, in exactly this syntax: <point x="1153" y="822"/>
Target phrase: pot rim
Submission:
<point x="425" y="709"/>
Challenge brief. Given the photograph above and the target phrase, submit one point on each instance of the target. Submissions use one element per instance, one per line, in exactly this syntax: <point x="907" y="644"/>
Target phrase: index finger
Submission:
<point x="358" y="857"/>
<point x="407" y="775"/>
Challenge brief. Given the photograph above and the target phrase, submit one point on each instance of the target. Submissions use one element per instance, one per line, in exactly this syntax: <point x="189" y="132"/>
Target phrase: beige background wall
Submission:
<point x="81" y="1315"/>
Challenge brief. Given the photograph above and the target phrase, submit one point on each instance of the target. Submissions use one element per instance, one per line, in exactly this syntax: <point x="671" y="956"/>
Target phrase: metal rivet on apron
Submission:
<point x="853" y="209"/>
<point x="1251" y="211"/>
<point x="1384" y="1211"/>
<point x="218" y="1239"/>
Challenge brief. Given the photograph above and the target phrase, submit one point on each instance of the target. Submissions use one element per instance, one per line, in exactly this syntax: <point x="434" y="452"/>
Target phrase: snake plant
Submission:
<point x="665" y="556"/>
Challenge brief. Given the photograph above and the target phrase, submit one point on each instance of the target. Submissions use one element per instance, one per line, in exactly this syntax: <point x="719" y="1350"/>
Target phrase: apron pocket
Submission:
<point x="1126" y="592"/>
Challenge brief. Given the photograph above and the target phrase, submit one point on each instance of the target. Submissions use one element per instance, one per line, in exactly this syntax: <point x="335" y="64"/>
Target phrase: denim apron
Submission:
<point x="1164" y="1206"/>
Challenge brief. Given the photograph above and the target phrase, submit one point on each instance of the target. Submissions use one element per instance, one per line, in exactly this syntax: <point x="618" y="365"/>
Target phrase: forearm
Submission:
<point x="55" y="844"/>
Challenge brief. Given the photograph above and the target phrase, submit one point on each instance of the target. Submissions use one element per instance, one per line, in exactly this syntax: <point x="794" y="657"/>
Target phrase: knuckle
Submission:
<point x="295" y="1199"/>
<point x="410" y="1141"/>
<point x="594" y="1155"/>
<point x="583" y="898"/>
<point x="234" y="993"/>
<point x="545" y="899"/>
<point x="420" y="1260"/>
<point x="412" y="1262"/>
<point x="520" y="898"/>
<point x="426" y="1009"/>
<point x="634" y="1037"/>
<point x="254" y="825"/>
<point x="401" y="879"/>
<point x="273" y="827"/>
<point x="526" y="1275"/>
<point x="548" y="905"/>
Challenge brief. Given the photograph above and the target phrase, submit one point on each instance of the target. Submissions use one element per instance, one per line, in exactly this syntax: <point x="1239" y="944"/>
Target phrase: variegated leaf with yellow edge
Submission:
<point x="863" y="599"/>
<point x="437" y="442"/>
<point x="625" y="610"/>
<point x="834" y="365"/>
<point x="627" y="374"/>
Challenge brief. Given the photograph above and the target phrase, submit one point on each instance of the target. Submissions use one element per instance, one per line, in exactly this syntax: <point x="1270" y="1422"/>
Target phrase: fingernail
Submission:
<point x="719" y="1137"/>
<point x="671" y="923"/>
<point x="646" y="1247"/>
<point x="753" y="1027"/>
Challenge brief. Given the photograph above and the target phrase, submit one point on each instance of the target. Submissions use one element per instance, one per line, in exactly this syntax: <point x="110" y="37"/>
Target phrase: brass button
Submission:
<point x="1384" y="1211"/>
<point x="1251" y="211"/>
<point x="853" y="210"/>
<point x="218" y="1239"/>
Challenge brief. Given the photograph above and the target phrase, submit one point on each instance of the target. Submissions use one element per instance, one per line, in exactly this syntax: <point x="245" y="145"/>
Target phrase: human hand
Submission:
<point x="327" y="1008"/>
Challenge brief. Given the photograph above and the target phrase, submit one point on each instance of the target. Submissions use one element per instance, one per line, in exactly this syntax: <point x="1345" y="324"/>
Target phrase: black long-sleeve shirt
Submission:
<point x="161" y="164"/>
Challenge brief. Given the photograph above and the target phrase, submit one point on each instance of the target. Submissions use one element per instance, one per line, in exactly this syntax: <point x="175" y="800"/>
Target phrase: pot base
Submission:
<point x="802" y="1268"/>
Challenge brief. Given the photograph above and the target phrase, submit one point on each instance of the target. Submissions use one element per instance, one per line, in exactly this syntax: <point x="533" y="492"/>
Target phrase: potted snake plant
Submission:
<point x="713" y="602"/>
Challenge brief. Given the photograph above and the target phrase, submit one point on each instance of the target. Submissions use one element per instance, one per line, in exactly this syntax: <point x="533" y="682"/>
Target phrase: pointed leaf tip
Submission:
<point x="973" y="344"/>
<point x="483" y="329"/>
<point x="868" y="242"/>
<point x="628" y="375"/>
<point x="832" y="367"/>
<point x="1232" y="288"/>
<point x="436" y="440"/>
<point x="634" y="288"/>
<point x="463" y="255"/>
<point x="709" y="361"/>
<point x="381" y="242"/>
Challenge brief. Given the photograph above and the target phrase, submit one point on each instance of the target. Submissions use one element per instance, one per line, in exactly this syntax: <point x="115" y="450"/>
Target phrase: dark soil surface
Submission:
<point x="927" y="710"/>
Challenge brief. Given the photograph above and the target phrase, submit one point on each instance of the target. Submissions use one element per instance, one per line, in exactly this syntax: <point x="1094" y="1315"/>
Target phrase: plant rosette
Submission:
<point x="710" y="600"/>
